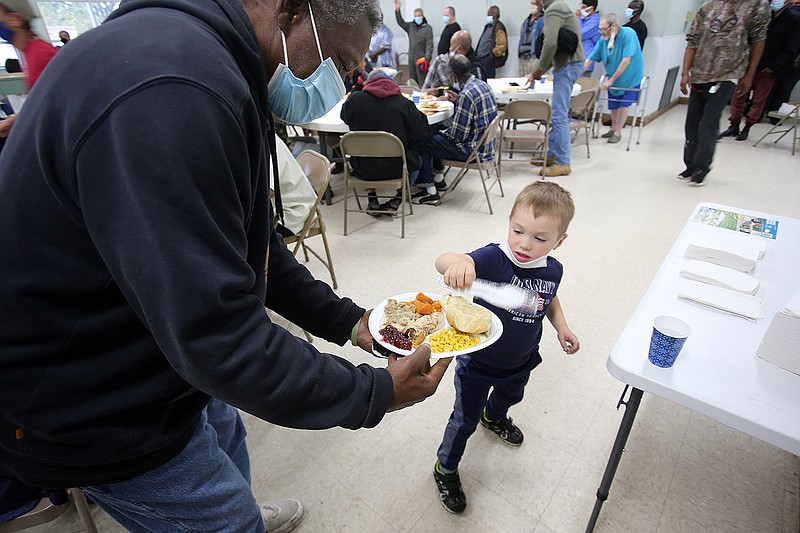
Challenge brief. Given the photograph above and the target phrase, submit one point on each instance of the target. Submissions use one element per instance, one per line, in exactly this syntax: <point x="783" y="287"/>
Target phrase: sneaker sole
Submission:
<point x="697" y="184"/>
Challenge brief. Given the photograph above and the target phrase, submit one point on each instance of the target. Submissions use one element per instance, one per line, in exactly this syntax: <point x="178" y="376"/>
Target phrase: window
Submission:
<point x="75" y="17"/>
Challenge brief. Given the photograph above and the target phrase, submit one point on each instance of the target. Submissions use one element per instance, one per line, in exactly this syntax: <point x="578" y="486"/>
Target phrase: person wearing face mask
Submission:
<point x="723" y="49"/>
<point x="531" y="29"/>
<point x="474" y="108"/>
<point x="420" y="42"/>
<point x="139" y="192"/>
<point x="493" y="43"/>
<point x="619" y="52"/>
<point x="450" y="27"/>
<point x="780" y="50"/>
<point x="634" y="13"/>
<point x="439" y="74"/>
<point x="589" y="19"/>
<point x="567" y="66"/>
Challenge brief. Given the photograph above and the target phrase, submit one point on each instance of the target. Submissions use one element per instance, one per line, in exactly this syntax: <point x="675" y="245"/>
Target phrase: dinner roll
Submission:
<point x="466" y="317"/>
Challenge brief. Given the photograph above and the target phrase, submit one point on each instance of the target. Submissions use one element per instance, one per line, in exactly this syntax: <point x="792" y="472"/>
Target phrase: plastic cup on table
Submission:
<point x="544" y="79"/>
<point x="415" y="98"/>
<point x="669" y="336"/>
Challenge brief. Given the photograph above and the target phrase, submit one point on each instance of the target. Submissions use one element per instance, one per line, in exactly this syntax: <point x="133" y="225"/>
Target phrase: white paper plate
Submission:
<point x="377" y="316"/>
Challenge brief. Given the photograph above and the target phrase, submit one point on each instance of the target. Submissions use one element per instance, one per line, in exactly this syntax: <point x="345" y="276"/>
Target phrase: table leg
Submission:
<point x="631" y="406"/>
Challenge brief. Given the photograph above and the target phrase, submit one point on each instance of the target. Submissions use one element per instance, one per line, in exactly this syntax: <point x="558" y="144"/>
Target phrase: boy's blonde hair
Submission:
<point x="547" y="198"/>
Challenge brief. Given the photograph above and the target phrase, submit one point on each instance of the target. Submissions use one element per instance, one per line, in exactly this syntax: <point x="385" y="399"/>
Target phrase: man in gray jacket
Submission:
<point x="567" y="68"/>
<point x="420" y="42"/>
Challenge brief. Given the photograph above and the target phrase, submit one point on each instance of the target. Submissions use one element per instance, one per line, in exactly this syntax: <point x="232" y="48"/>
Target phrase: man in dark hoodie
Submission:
<point x="380" y="106"/>
<point x="139" y="253"/>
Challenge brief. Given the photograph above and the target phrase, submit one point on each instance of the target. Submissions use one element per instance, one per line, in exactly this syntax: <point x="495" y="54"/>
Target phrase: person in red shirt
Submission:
<point x="35" y="52"/>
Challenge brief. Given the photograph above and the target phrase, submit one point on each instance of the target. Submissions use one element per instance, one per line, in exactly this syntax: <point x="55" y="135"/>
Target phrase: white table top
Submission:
<point x="539" y="91"/>
<point x="332" y="121"/>
<point x="718" y="372"/>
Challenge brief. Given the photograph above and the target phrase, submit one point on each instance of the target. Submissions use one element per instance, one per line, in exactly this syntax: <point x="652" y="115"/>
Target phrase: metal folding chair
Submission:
<point x="582" y="105"/>
<point x="46" y="511"/>
<point x="474" y="162"/>
<point x="533" y="139"/>
<point x="792" y="117"/>
<point x="375" y="144"/>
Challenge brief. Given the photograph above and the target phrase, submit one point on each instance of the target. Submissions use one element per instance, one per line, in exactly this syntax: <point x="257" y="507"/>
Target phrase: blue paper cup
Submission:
<point x="669" y="336"/>
<point x="415" y="98"/>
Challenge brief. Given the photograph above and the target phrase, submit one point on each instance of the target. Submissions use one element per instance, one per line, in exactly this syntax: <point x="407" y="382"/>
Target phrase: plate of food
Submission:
<point x="434" y="106"/>
<point x="450" y="324"/>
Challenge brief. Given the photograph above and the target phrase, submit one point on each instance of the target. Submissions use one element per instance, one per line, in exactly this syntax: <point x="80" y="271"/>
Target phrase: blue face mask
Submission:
<point x="418" y="21"/>
<point x="777" y="5"/>
<point x="489" y="19"/>
<point x="297" y="101"/>
<point x="5" y="33"/>
<point x="446" y="20"/>
<point x="629" y="13"/>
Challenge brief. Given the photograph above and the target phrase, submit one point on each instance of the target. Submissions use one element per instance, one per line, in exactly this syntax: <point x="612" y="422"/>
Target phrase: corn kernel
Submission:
<point x="450" y="340"/>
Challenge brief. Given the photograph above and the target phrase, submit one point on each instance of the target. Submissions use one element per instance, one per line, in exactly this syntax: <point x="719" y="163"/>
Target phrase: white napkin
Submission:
<point x="736" y="251"/>
<point x="719" y="276"/>
<point x="781" y="343"/>
<point x="717" y="298"/>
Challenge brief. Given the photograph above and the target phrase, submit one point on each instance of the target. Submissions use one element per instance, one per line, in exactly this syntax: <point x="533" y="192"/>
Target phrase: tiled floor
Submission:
<point x="681" y="471"/>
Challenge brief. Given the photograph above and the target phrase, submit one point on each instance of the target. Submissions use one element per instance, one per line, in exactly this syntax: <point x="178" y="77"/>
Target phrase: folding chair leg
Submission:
<point x="83" y="510"/>
<point x="329" y="264"/>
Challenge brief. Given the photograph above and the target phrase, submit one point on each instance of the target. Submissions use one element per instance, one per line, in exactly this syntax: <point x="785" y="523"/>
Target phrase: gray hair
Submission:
<point x="459" y="65"/>
<point x="346" y="12"/>
<point x="611" y="19"/>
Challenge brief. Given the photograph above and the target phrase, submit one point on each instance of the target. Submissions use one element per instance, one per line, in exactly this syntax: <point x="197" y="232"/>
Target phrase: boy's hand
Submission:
<point x="569" y="341"/>
<point x="460" y="275"/>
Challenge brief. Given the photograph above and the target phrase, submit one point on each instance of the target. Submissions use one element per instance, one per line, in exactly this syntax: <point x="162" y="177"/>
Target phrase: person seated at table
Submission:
<point x="354" y="79"/>
<point x="439" y="71"/>
<point x="380" y="106"/>
<point x="474" y="109"/>
<point x="619" y="51"/>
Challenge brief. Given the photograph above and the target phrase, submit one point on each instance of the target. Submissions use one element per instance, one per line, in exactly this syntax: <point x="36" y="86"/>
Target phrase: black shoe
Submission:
<point x="391" y="205"/>
<point x="373" y="206"/>
<point x="450" y="494"/>
<point x="440" y="185"/>
<point x="429" y="199"/>
<point x="337" y="168"/>
<point x="686" y="174"/>
<point x="505" y="429"/>
<point x="743" y="135"/>
<point x="698" y="178"/>
<point x="732" y="131"/>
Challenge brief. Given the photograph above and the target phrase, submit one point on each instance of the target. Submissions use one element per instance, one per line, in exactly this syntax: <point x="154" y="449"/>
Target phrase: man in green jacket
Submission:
<point x="566" y="70"/>
<point x="420" y="42"/>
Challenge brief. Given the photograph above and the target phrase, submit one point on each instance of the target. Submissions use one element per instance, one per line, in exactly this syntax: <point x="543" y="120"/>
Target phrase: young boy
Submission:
<point x="537" y="225"/>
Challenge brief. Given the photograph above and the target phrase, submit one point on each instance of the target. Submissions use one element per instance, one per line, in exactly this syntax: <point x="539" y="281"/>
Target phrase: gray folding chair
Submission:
<point x="531" y="139"/>
<point x="581" y="106"/>
<point x="317" y="169"/>
<point x="485" y="168"/>
<point x="789" y="121"/>
<point x="375" y="144"/>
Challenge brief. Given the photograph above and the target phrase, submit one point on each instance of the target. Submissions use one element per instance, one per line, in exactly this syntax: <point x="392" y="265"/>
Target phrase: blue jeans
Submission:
<point x="432" y="149"/>
<point x="563" y="79"/>
<point x="206" y="487"/>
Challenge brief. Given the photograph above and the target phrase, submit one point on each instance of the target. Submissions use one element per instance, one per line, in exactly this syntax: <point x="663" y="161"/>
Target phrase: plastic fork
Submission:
<point x="502" y="295"/>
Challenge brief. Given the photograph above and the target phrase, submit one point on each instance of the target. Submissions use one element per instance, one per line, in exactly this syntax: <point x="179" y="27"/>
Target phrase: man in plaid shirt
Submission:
<point x="475" y="108"/>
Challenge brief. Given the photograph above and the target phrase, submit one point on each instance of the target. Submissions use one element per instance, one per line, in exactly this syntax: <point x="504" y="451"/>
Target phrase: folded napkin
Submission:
<point x="736" y="251"/>
<point x="719" y="276"/>
<point x="781" y="343"/>
<point x="719" y="299"/>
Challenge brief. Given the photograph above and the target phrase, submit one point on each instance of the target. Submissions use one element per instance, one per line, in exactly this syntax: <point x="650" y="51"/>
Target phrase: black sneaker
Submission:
<point x="698" y="178"/>
<point x="450" y="494"/>
<point x="429" y="199"/>
<point x="440" y="185"/>
<point x="743" y="134"/>
<point x="392" y="205"/>
<point x="373" y="207"/>
<point x="732" y="131"/>
<point x="505" y="429"/>
<point x="686" y="174"/>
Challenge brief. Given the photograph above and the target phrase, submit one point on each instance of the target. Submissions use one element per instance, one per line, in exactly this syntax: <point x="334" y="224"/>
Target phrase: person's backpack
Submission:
<point x="567" y="42"/>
